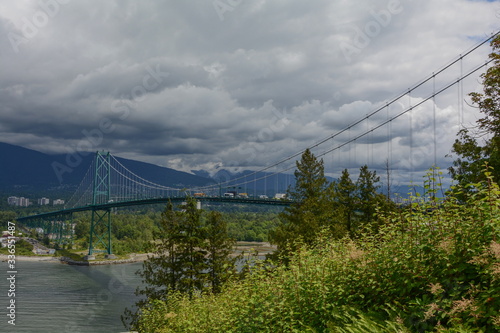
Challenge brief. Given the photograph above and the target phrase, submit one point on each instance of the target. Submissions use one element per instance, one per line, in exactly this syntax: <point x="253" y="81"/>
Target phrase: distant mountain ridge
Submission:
<point x="25" y="171"/>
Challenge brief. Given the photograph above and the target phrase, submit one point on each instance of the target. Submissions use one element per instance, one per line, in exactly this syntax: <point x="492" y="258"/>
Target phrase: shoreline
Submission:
<point x="65" y="260"/>
<point x="262" y="248"/>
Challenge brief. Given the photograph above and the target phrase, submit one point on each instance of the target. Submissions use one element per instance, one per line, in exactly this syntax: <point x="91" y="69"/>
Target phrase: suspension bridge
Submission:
<point x="108" y="184"/>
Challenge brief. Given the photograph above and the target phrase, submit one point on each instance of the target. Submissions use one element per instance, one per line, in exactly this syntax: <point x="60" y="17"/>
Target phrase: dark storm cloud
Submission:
<point x="188" y="85"/>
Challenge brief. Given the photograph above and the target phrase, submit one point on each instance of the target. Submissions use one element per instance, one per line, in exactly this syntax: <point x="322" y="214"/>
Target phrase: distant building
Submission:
<point x="13" y="201"/>
<point x="43" y="201"/>
<point x="24" y="202"/>
<point x="19" y="201"/>
<point x="58" y="202"/>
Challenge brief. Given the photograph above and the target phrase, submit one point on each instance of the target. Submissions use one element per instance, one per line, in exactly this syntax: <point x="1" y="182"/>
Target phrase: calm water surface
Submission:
<point x="52" y="297"/>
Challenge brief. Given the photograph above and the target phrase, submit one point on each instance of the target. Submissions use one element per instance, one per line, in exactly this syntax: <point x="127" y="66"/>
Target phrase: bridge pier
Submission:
<point x="100" y="231"/>
<point x="100" y="225"/>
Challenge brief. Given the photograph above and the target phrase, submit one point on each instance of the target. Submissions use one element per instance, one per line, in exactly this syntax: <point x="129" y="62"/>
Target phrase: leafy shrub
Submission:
<point x="432" y="267"/>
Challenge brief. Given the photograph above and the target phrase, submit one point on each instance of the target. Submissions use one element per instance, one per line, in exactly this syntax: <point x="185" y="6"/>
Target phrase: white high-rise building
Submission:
<point x="43" y="201"/>
<point x="24" y="202"/>
<point x="19" y="201"/>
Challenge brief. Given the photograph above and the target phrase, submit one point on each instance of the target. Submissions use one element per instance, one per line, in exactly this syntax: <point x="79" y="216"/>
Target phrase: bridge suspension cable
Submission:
<point x="131" y="186"/>
<point x="432" y="77"/>
<point x="407" y="110"/>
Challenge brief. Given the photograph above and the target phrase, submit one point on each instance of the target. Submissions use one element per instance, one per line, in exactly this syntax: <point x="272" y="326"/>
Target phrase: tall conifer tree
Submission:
<point x="368" y="196"/>
<point x="311" y="209"/>
<point x="219" y="248"/>
<point x="345" y="196"/>
<point x="189" y="256"/>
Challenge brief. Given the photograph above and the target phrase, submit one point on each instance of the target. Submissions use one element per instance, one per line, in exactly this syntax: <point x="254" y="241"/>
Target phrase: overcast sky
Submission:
<point x="204" y="84"/>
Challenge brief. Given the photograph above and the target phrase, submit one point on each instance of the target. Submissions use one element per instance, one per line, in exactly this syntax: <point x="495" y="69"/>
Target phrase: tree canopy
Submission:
<point x="191" y="255"/>
<point x="341" y="207"/>
<point x="481" y="144"/>
<point x="310" y="210"/>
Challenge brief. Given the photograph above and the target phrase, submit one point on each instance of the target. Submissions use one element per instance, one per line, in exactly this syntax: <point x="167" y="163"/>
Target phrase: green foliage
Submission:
<point x="352" y="320"/>
<point x="477" y="146"/>
<point x="82" y="229"/>
<point x="69" y="254"/>
<point x="219" y="247"/>
<point x="5" y="217"/>
<point x="23" y="248"/>
<point x="311" y="210"/>
<point x="434" y="267"/>
<point x="345" y="192"/>
<point x="355" y="204"/>
<point x="367" y="188"/>
<point x="342" y="207"/>
<point x="191" y="256"/>
<point x="250" y="226"/>
<point x="132" y="231"/>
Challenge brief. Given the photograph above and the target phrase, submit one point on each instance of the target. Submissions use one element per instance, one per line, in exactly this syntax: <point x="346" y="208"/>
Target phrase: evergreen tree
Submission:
<point x="190" y="250"/>
<point x="219" y="249"/>
<point x="178" y="261"/>
<point x="481" y="144"/>
<point x="310" y="211"/>
<point x="187" y="257"/>
<point x="160" y="272"/>
<point x="345" y="197"/>
<point x="368" y="196"/>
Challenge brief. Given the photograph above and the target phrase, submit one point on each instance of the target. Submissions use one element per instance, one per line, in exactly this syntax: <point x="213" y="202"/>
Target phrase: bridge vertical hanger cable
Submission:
<point x="434" y="117"/>
<point x="354" y="153"/>
<point x="332" y="166"/>
<point x="387" y="137"/>
<point x="459" y="112"/>
<point x="265" y="186"/>
<point x="255" y="185"/>
<point x="349" y="151"/>
<point x="136" y="183"/>
<point x="461" y="94"/>
<point x="352" y="141"/>
<point x="276" y="188"/>
<point x="405" y="111"/>
<point x="470" y="51"/>
<point x="410" y="116"/>
<point x="368" y="141"/>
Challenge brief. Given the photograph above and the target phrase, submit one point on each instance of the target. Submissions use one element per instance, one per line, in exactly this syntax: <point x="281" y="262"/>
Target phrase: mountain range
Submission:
<point x="28" y="172"/>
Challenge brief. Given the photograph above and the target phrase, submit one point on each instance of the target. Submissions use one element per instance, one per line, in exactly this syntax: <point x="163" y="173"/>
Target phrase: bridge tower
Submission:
<point x="100" y="226"/>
